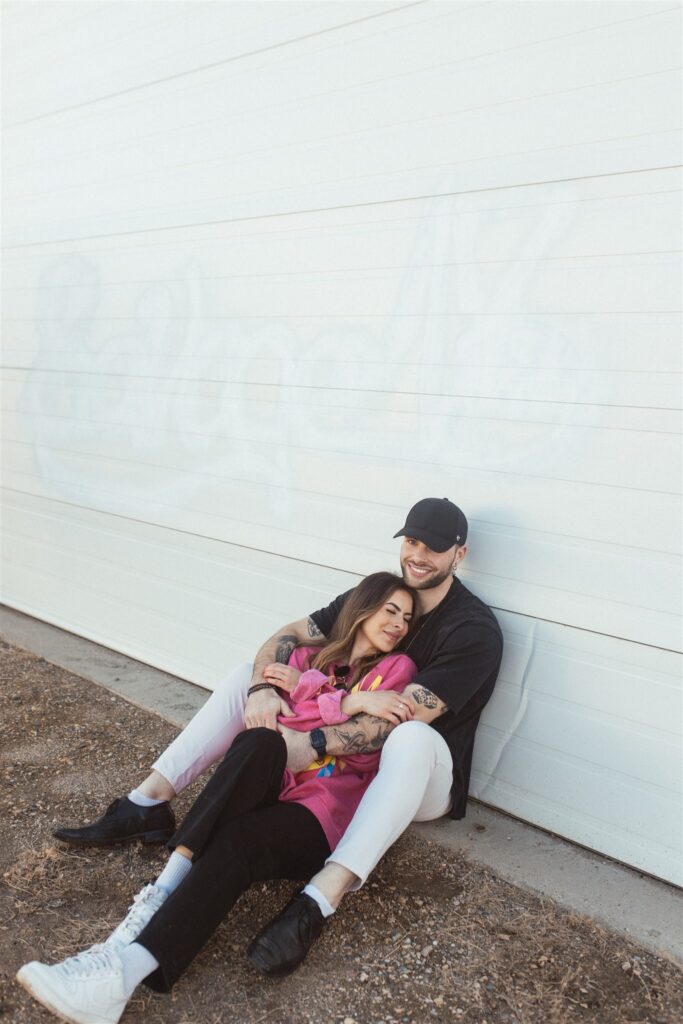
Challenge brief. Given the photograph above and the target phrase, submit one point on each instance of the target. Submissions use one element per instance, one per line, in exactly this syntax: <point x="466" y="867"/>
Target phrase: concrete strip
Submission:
<point x="646" y="910"/>
<point x="149" y="688"/>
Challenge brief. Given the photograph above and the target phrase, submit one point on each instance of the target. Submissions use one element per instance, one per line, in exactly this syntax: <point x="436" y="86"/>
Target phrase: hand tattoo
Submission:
<point x="313" y="630"/>
<point x="285" y="646"/>
<point x="425" y="697"/>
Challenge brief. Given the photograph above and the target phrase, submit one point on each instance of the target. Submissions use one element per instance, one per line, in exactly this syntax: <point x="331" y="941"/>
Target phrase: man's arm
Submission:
<point x="280" y="645"/>
<point x="263" y="707"/>
<point x="364" y="734"/>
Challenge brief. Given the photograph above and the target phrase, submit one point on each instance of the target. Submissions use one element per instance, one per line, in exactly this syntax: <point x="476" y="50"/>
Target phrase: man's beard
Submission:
<point x="429" y="582"/>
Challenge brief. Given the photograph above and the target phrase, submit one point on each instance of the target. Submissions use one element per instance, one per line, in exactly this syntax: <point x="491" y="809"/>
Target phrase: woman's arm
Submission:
<point x="379" y="693"/>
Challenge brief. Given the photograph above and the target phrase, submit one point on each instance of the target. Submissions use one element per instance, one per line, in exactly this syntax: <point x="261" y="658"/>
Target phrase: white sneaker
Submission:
<point x="85" y="989"/>
<point x="142" y="910"/>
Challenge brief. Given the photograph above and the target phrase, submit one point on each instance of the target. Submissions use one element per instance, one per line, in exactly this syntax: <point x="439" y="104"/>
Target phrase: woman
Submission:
<point x="254" y="820"/>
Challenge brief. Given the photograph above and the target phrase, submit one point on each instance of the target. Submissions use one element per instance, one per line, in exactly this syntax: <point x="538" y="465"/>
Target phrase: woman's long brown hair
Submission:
<point x="369" y="596"/>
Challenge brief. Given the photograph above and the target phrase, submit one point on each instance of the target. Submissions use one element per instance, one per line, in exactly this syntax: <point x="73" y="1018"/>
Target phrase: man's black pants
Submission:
<point x="239" y="833"/>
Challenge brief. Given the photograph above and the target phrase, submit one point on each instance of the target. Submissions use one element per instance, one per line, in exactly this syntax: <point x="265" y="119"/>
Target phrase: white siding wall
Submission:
<point x="272" y="272"/>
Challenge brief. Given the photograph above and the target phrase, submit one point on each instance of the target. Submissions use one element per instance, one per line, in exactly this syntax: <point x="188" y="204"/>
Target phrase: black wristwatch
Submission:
<point x="319" y="744"/>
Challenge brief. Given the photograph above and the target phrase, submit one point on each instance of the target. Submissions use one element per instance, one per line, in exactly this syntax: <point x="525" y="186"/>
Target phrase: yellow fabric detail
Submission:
<point x="377" y="681"/>
<point x="315" y="766"/>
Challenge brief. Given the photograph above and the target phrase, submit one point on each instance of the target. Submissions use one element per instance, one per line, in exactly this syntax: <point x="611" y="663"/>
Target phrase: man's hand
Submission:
<point x="262" y="709"/>
<point x="300" y="753"/>
<point x="283" y="676"/>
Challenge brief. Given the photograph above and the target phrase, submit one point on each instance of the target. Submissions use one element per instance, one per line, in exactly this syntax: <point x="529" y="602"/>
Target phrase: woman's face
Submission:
<point x="389" y="624"/>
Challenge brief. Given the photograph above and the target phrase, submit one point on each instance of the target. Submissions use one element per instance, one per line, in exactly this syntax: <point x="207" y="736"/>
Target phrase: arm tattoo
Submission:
<point x="353" y="739"/>
<point x="425" y="697"/>
<point x="285" y="646"/>
<point x="313" y="630"/>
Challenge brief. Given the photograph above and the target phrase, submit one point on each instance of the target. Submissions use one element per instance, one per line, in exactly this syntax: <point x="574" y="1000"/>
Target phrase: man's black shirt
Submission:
<point x="457" y="648"/>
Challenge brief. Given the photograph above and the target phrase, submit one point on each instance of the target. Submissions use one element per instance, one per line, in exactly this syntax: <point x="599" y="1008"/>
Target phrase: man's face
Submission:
<point x="423" y="568"/>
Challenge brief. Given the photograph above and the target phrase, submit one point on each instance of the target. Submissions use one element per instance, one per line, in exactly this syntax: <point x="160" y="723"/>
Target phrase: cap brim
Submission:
<point x="432" y="540"/>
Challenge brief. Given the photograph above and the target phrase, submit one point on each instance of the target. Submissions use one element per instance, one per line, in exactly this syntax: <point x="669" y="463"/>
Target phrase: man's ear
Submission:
<point x="459" y="555"/>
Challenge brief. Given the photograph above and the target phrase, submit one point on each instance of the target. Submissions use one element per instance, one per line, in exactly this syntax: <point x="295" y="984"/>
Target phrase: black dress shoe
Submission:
<point x="122" y="822"/>
<point x="281" y="946"/>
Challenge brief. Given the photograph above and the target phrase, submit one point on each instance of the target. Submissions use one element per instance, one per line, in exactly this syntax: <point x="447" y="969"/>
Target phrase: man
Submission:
<point x="426" y="752"/>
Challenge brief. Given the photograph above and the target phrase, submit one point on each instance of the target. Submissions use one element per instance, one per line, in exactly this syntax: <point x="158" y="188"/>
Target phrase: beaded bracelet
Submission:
<point x="259" y="686"/>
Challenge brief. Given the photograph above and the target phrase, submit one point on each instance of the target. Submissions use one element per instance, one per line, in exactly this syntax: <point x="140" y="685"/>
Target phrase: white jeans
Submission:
<point x="413" y="782"/>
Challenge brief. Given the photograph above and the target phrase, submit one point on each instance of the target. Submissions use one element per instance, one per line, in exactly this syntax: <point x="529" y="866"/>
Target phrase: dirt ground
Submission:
<point x="433" y="937"/>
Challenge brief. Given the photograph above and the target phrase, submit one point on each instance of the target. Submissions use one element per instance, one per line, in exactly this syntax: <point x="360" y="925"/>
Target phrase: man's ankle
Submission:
<point x="156" y="787"/>
<point x="333" y="882"/>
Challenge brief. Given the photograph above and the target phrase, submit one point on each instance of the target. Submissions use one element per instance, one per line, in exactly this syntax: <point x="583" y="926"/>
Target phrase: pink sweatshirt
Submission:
<point x="333" y="788"/>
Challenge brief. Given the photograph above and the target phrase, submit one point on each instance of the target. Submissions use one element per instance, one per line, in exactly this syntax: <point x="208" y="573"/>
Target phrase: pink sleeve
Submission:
<point x="329" y="706"/>
<point x="396" y="671"/>
<point x="300" y="658"/>
<point x="309" y="684"/>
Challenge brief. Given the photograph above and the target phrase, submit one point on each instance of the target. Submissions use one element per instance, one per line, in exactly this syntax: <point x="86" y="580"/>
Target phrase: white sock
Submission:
<point x="136" y="797"/>
<point x="326" y="908"/>
<point x="138" y="963"/>
<point x="174" y="872"/>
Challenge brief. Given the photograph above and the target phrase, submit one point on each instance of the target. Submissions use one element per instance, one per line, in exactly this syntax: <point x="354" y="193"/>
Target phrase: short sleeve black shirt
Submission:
<point x="457" y="648"/>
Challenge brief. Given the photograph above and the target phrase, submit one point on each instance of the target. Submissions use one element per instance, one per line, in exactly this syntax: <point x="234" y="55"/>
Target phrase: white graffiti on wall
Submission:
<point x="174" y="408"/>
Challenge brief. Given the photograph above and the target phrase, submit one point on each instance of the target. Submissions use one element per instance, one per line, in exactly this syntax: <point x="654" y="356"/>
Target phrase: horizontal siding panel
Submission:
<point x="576" y="118"/>
<point x="643" y="282"/>
<point x="615" y="343"/>
<point x="203" y="408"/>
<point x="252" y="194"/>
<point x="599" y="457"/>
<point x="545" y="563"/>
<point x="585" y="217"/>
<point x="638" y="693"/>
<point x="606" y="742"/>
<point x="448" y="379"/>
<point x="570" y="775"/>
<point x="298" y="529"/>
<point x="548" y="513"/>
<point x="611" y="827"/>
<point x="455" y="97"/>
<point x="163" y="41"/>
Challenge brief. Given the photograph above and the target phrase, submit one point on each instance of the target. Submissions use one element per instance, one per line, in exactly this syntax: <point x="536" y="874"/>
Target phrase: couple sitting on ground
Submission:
<point x="331" y="745"/>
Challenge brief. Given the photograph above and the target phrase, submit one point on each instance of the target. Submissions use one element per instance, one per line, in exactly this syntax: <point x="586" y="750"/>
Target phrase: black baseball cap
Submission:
<point x="437" y="522"/>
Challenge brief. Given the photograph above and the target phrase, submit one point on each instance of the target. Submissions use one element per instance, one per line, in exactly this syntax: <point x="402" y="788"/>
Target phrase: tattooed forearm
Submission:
<point x="313" y="630"/>
<point x="285" y="646"/>
<point x="421" y="695"/>
<point x="362" y="734"/>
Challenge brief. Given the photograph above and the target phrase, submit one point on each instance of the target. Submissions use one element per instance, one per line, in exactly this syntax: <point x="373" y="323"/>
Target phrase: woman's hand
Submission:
<point x="262" y="709"/>
<point x="283" y="676"/>
<point x="394" y="707"/>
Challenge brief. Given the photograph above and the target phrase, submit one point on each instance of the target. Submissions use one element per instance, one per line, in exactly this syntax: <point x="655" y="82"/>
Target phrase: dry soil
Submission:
<point x="433" y="937"/>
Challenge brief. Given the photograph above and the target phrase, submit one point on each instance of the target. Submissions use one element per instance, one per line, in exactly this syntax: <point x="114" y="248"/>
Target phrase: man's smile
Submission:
<point x="419" y="570"/>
